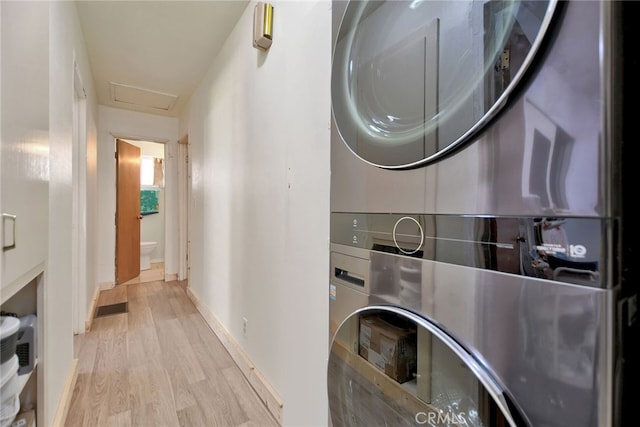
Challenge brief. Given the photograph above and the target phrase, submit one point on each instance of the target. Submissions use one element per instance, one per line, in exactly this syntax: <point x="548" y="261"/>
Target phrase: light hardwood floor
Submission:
<point x="159" y="364"/>
<point x="156" y="272"/>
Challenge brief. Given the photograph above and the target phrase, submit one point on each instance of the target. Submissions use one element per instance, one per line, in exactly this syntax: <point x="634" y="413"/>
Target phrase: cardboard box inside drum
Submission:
<point x="390" y="348"/>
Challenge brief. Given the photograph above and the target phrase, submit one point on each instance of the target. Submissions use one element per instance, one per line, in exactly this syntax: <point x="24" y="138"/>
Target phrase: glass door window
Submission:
<point x="412" y="80"/>
<point x="407" y="372"/>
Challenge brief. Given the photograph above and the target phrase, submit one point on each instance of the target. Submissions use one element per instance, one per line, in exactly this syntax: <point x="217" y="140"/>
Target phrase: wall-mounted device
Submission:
<point x="26" y="344"/>
<point x="262" y="25"/>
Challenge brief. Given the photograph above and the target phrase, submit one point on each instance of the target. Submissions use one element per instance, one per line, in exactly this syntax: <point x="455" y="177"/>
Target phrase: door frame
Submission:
<point x="184" y="208"/>
<point x="79" y="279"/>
<point x="169" y="186"/>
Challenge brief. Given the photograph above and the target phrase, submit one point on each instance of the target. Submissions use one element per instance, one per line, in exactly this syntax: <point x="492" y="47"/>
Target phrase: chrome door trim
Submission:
<point x="497" y="106"/>
<point x="495" y="390"/>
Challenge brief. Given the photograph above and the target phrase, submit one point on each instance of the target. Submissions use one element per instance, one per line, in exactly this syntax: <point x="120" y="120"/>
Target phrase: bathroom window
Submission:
<point x="151" y="171"/>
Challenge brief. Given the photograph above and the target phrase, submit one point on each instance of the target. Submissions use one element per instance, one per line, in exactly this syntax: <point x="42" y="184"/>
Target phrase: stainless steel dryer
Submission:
<point x="481" y="268"/>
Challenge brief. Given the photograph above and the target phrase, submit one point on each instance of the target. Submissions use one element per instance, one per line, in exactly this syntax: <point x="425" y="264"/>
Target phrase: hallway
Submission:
<point x="158" y="364"/>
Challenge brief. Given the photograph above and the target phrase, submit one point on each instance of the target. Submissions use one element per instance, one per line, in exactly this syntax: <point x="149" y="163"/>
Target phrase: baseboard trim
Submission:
<point x="170" y="277"/>
<point x="92" y="309"/>
<point x="67" y="393"/>
<point x="263" y="389"/>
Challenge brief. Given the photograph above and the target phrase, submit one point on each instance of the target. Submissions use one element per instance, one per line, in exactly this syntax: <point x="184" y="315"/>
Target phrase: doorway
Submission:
<point x="140" y="212"/>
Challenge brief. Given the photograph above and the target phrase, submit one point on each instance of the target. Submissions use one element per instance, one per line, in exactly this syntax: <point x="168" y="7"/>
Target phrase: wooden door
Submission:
<point x="127" y="211"/>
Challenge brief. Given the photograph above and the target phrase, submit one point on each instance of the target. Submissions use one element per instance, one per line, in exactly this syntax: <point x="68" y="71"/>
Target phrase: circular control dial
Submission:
<point x="408" y="235"/>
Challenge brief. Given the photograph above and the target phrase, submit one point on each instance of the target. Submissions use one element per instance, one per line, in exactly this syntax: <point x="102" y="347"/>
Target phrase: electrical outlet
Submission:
<point x="245" y="323"/>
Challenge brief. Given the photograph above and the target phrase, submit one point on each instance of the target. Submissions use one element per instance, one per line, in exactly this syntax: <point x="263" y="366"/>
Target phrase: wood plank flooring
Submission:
<point x="159" y="364"/>
<point x="155" y="273"/>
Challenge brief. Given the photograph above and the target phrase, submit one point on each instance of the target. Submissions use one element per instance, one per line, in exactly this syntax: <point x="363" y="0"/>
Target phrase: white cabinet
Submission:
<point x="24" y="129"/>
<point x="24" y="168"/>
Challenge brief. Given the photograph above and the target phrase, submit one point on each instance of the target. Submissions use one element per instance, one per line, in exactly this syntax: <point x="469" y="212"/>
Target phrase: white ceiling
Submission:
<point x="152" y="54"/>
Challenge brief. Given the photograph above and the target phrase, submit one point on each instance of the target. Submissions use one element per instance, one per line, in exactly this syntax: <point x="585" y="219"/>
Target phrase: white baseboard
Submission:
<point x="67" y="394"/>
<point x="92" y="309"/>
<point x="170" y="277"/>
<point x="263" y="389"/>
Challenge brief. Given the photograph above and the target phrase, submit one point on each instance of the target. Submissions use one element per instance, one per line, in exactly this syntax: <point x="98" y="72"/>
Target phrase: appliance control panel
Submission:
<point x="561" y="249"/>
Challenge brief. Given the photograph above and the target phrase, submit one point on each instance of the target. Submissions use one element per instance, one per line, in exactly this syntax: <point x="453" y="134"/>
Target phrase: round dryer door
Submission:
<point x="412" y="80"/>
<point x="405" y="371"/>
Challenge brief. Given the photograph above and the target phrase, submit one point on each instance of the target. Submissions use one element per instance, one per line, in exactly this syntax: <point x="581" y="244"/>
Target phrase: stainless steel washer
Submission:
<point x="477" y="214"/>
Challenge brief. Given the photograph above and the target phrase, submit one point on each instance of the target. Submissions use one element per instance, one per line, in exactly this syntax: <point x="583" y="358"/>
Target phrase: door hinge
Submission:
<point x="503" y="60"/>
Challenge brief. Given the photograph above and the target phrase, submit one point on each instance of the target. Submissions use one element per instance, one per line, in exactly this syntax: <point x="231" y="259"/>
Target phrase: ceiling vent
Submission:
<point x="132" y="95"/>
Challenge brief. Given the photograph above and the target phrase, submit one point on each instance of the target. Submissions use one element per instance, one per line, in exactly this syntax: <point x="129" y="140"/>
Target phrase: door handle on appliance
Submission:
<point x="8" y="238"/>
<point x="349" y="277"/>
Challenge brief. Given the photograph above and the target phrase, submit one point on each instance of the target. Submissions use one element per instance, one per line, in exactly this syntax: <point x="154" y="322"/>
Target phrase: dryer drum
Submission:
<point x="413" y="78"/>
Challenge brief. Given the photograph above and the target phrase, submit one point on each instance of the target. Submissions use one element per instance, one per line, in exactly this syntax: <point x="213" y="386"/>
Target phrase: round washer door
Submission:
<point x="402" y="370"/>
<point x="412" y="80"/>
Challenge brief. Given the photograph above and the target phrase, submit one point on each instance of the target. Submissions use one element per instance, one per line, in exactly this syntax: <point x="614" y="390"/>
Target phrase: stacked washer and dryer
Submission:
<point x="480" y="259"/>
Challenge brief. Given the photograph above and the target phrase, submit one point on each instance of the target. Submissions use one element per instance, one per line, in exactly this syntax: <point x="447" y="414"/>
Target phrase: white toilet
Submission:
<point x="146" y="249"/>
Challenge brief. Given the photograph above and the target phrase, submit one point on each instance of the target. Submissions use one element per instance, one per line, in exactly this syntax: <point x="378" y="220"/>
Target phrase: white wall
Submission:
<point x="259" y="137"/>
<point x="66" y="41"/>
<point x="25" y="133"/>
<point x="92" y="225"/>
<point x="147" y="148"/>
<point x="24" y="144"/>
<point x="114" y="123"/>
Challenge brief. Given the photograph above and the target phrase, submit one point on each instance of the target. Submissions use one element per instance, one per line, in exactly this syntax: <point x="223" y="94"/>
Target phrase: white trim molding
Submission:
<point x="263" y="389"/>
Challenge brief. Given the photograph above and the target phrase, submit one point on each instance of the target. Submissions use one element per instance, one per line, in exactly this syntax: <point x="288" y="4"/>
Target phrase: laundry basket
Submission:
<point x="11" y="406"/>
<point x="9" y="327"/>
<point x="9" y="392"/>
